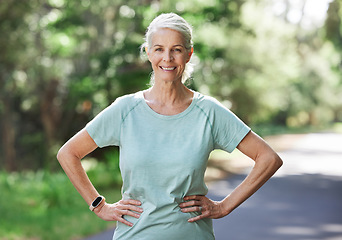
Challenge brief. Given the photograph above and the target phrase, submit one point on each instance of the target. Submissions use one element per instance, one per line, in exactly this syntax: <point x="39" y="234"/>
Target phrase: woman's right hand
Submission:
<point x="116" y="211"/>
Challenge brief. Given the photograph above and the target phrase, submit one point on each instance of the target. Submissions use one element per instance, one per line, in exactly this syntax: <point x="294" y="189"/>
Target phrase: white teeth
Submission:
<point x="168" y="69"/>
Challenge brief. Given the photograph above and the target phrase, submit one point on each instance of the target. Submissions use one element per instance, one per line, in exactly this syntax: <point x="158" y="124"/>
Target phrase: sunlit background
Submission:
<point x="276" y="63"/>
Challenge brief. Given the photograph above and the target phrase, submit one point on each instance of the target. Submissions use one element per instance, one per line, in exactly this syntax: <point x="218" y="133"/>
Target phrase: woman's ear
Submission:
<point x="190" y="54"/>
<point x="148" y="54"/>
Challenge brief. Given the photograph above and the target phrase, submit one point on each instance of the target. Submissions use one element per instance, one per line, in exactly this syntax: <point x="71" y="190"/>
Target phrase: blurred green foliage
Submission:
<point x="62" y="62"/>
<point x="105" y="174"/>
<point x="40" y="205"/>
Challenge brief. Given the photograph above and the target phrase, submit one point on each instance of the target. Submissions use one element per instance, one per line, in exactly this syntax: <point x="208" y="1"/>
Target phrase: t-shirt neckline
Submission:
<point x="178" y="115"/>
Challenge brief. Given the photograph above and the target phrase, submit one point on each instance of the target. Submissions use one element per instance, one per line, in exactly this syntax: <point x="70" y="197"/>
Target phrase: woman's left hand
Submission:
<point x="200" y="203"/>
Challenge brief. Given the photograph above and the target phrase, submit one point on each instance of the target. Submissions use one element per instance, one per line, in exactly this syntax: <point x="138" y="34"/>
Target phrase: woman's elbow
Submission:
<point x="63" y="154"/>
<point x="270" y="161"/>
<point x="277" y="162"/>
<point x="60" y="154"/>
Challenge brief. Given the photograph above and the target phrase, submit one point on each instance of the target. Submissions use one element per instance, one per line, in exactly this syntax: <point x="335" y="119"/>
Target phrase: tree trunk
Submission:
<point x="50" y="113"/>
<point x="8" y="136"/>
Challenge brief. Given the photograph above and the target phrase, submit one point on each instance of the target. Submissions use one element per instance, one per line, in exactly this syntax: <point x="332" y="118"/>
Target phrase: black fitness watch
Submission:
<point x="96" y="203"/>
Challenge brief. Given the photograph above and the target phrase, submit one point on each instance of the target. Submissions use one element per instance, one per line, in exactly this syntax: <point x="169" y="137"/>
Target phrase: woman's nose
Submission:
<point x="167" y="56"/>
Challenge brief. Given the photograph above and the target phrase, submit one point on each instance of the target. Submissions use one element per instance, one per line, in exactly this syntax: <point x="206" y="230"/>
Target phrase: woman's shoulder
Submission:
<point x="206" y="101"/>
<point x="123" y="104"/>
<point x="128" y="100"/>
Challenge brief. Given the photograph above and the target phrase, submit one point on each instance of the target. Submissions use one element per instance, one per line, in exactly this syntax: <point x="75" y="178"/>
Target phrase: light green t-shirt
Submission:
<point x="163" y="159"/>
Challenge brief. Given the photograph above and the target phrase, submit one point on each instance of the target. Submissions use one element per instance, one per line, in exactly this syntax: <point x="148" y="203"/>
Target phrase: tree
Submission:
<point x="13" y="62"/>
<point x="333" y="32"/>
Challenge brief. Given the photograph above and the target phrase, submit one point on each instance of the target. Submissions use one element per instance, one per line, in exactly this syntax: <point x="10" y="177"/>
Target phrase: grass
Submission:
<point x="43" y="205"/>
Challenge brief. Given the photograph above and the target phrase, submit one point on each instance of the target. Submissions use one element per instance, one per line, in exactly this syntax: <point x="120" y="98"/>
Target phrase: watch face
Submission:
<point x="97" y="201"/>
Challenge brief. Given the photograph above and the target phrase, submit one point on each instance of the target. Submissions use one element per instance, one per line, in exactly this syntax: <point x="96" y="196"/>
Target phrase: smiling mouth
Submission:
<point x="168" y="68"/>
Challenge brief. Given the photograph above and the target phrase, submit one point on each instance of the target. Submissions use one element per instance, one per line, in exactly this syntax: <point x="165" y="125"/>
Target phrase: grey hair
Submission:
<point x="174" y="22"/>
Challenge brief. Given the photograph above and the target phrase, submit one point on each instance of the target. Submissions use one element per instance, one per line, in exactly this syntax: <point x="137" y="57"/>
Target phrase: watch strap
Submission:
<point x="96" y="202"/>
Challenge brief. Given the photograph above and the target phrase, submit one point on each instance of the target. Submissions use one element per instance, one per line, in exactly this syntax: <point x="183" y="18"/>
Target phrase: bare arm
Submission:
<point x="267" y="162"/>
<point x="69" y="156"/>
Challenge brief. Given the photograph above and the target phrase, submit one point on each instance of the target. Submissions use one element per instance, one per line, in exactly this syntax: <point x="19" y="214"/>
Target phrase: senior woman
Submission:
<point x="165" y="135"/>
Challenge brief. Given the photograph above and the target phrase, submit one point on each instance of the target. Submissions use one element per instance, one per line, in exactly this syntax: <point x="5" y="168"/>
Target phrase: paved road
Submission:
<point x="303" y="201"/>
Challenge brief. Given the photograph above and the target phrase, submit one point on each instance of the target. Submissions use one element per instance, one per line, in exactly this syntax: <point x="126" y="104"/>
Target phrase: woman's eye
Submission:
<point x="178" y="50"/>
<point x="158" y="49"/>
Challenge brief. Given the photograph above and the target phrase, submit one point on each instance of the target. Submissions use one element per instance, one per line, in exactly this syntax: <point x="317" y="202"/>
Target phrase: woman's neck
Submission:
<point x="168" y="98"/>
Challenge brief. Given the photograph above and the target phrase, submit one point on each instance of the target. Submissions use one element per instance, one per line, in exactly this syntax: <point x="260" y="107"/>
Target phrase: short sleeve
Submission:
<point x="228" y="129"/>
<point x="105" y="128"/>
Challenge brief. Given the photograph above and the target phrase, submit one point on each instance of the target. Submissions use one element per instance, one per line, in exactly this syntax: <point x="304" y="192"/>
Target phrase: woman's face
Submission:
<point x="168" y="55"/>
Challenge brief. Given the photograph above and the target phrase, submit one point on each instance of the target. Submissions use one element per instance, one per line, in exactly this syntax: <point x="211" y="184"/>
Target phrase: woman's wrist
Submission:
<point x="99" y="208"/>
<point x="226" y="206"/>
